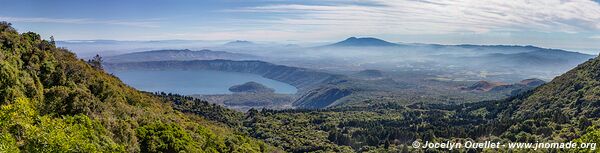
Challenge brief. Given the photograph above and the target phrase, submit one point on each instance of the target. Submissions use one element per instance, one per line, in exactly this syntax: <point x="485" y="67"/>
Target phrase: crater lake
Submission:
<point x="189" y="82"/>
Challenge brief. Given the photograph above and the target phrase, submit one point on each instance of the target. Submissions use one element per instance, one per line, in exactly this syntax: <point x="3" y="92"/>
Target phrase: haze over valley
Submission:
<point x="345" y="73"/>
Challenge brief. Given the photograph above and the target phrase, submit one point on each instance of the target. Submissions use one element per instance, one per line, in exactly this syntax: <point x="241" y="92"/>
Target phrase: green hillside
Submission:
<point x="53" y="102"/>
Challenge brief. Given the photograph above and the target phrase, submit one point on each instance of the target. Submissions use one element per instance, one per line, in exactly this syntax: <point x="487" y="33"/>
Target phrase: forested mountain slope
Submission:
<point x="50" y="101"/>
<point x="569" y="104"/>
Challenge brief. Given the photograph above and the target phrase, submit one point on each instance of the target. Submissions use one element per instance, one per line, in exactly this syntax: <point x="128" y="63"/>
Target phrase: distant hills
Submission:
<point x="532" y="82"/>
<point x="362" y="42"/>
<point x="348" y="54"/>
<point x="452" y="49"/>
<point x="177" y="55"/>
<point x="537" y="58"/>
<point x="240" y="43"/>
<point x="485" y="86"/>
<point x="512" y="62"/>
<point x="464" y="50"/>
<point x="256" y="48"/>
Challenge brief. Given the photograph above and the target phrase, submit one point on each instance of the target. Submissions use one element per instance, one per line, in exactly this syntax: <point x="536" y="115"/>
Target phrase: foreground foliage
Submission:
<point x="50" y="101"/>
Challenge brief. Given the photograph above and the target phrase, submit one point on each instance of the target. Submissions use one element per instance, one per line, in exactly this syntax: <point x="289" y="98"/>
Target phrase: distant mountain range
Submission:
<point x="538" y="59"/>
<point x="502" y="52"/>
<point x="177" y="55"/>
<point x="481" y="49"/>
<point x="513" y="61"/>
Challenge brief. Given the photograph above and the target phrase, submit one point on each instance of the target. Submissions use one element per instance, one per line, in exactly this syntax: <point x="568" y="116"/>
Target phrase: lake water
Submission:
<point x="195" y="82"/>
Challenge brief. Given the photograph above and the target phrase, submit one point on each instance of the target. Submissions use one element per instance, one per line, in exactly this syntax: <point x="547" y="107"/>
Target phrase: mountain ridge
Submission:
<point x="177" y="54"/>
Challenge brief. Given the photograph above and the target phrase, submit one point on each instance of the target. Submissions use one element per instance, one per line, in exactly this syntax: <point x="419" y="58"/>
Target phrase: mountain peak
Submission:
<point x="363" y="42"/>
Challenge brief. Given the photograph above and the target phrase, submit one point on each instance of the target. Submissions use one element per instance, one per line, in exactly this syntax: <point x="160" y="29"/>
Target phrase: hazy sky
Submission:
<point x="563" y="24"/>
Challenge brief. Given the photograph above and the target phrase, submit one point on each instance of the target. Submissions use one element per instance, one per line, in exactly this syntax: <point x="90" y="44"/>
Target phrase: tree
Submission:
<point x="54" y="42"/>
<point x="161" y="137"/>
<point x="6" y="26"/>
<point x="96" y="62"/>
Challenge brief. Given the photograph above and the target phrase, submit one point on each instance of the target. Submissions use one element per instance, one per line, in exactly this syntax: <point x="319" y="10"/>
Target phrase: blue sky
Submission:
<point x="573" y="25"/>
